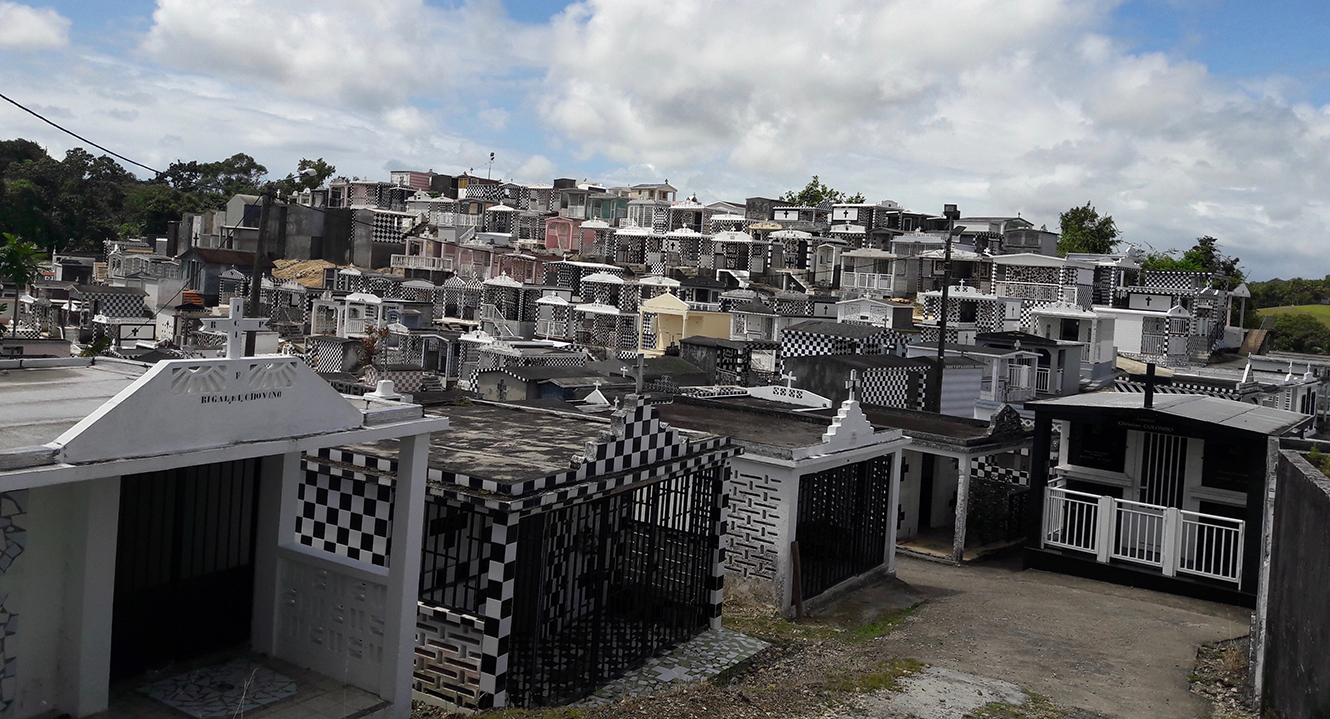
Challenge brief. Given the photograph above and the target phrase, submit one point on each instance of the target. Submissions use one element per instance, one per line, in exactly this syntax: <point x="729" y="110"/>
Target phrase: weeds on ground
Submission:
<point x="765" y="623"/>
<point x="1036" y="706"/>
<point x="886" y="677"/>
<point x="550" y="713"/>
<point x="881" y="626"/>
<point x="1319" y="460"/>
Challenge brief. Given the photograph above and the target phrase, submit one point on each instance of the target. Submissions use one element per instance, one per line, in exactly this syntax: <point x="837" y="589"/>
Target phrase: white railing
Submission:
<point x="1168" y="539"/>
<point x="1140" y="533"/>
<point x="866" y="281"/>
<point x="421" y="262"/>
<point x="1071" y="520"/>
<point x="553" y="328"/>
<point x="1047" y="381"/>
<point x="1211" y="546"/>
<point x="455" y="219"/>
<point x="704" y="306"/>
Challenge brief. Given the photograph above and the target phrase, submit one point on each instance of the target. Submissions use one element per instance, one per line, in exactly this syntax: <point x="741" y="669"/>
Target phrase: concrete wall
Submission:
<point x="60" y="586"/>
<point x="1297" y="665"/>
<point x="1127" y="329"/>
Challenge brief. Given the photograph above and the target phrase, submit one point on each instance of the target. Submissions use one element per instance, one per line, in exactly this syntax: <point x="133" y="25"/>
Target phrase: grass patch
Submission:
<point x="771" y="626"/>
<point x="1320" y="312"/>
<point x="886" y="677"/>
<point x="1036" y="706"/>
<point x="882" y="626"/>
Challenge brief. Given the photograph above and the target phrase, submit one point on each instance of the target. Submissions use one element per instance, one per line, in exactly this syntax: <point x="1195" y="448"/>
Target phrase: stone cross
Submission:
<point x="235" y="326"/>
<point x="789" y="378"/>
<point x="852" y="384"/>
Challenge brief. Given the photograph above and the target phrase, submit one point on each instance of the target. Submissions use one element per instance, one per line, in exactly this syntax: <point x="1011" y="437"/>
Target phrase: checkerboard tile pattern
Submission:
<point x="345" y="512"/>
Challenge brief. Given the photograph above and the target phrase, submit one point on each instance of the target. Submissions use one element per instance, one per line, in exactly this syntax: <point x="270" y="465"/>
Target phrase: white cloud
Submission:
<point x="28" y="28"/>
<point x="1004" y="107"/>
<point x="495" y="118"/>
<point x="364" y="54"/>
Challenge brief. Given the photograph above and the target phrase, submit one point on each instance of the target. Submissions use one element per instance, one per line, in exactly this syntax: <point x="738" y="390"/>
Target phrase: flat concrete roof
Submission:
<point x="40" y="403"/>
<point x="772" y="425"/>
<point x="504" y="443"/>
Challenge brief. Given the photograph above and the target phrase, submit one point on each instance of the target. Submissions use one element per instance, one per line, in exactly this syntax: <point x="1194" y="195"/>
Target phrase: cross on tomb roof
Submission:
<point x="852" y="384"/>
<point x="235" y="326"/>
<point x="789" y="378"/>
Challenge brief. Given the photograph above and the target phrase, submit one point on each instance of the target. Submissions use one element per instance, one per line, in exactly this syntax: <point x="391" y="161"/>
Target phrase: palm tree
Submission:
<point x="20" y="261"/>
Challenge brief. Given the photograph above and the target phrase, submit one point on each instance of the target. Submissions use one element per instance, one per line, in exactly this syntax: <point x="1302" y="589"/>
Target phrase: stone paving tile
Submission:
<point x="701" y="658"/>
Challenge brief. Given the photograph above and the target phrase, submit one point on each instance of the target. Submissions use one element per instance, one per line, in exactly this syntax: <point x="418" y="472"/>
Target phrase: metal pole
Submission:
<point x="256" y="272"/>
<point x="935" y="391"/>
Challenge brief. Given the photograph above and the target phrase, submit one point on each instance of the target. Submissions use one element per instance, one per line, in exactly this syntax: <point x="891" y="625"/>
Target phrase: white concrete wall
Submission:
<point x="960" y="389"/>
<point x="1126" y="330"/>
<point x="62" y="589"/>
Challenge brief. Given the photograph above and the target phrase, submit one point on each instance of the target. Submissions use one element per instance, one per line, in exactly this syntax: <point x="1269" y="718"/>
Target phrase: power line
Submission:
<point x="39" y="116"/>
<point x="34" y="113"/>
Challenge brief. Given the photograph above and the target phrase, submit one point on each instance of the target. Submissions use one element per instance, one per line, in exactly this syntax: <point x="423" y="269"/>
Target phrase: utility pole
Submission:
<point x="256" y="273"/>
<point x="935" y="380"/>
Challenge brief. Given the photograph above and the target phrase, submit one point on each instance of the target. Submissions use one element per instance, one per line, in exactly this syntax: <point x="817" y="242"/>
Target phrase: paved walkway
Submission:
<point x="1119" y="651"/>
<point x="705" y="656"/>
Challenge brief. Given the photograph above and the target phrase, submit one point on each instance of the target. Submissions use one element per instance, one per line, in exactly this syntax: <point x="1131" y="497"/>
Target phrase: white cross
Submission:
<point x="852" y="384"/>
<point x="235" y="327"/>
<point x="789" y="379"/>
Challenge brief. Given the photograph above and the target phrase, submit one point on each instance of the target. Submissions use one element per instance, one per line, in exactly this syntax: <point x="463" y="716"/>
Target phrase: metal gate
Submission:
<point x="1163" y="469"/>
<point x="184" y="574"/>
<point x="843" y="522"/>
<point x="604" y="585"/>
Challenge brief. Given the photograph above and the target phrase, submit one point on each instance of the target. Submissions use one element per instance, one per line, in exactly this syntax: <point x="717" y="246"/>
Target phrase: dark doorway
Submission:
<point x="184" y="578"/>
<point x="1071" y="330"/>
<point x="926" y="469"/>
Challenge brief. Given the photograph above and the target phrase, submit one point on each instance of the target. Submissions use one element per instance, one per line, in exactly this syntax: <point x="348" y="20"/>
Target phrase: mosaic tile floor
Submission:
<point x="705" y="656"/>
<point x="229" y="689"/>
<point x="315" y="695"/>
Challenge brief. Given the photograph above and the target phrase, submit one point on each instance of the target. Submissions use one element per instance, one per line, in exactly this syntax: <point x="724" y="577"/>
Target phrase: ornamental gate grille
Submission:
<point x="604" y="585"/>
<point x="843" y="521"/>
<point x="1163" y="467"/>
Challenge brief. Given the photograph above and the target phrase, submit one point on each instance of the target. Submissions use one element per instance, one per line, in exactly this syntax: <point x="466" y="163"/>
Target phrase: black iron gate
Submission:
<point x="843" y="521"/>
<point x="184" y="574"/>
<point x="604" y="585"/>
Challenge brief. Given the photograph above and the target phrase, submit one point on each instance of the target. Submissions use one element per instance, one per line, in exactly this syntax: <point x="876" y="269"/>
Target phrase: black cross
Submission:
<point x="1150" y="385"/>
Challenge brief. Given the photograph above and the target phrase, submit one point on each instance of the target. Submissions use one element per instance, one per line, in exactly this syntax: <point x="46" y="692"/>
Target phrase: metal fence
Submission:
<point x="604" y="585"/>
<point x="843" y="519"/>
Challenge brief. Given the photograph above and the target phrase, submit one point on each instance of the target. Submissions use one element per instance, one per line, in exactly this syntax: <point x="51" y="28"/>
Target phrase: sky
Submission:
<point x="1180" y="118"/>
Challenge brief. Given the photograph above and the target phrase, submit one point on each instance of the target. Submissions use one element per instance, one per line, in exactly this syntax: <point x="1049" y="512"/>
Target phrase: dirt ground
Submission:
<point x="1116" y="650"/>
<point x="1082" y="649"/>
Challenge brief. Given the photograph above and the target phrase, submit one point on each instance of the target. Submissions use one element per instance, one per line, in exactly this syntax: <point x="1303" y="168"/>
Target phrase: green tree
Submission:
<point x="1300" y="333"/>
<point x="1204" y="256"/>
<point x="20" y="261"/>
<point x="1083" y="230"/>
<point x="298" y="180"/>
<point x="72" y="204"/>
<point x="816" y="193"/>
